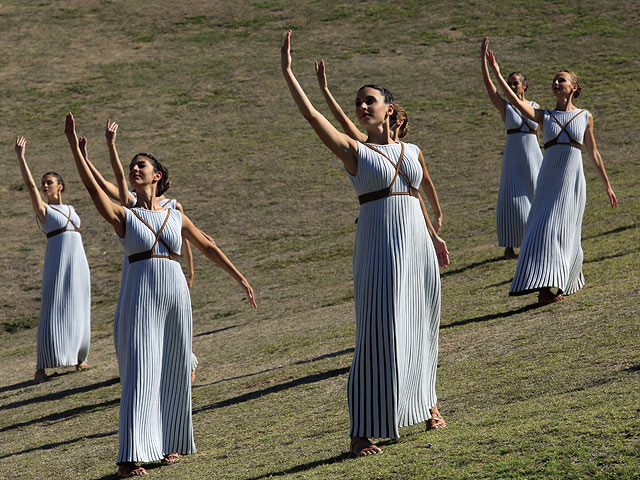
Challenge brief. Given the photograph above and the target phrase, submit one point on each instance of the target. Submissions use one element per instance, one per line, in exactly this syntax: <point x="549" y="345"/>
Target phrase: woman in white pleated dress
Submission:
<point x="551" y="254"/>
<point x="64" y="328"/>
<point x="395" y="269"/>
<point x="154" y="332"/>
<point x="521" y="160"/>
<point x="399" y="126"/>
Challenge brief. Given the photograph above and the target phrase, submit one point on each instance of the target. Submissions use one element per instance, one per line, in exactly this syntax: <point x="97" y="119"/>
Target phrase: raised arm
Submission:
<point x="39" y="206"/>
<point x="112" y="213"/>
<point x="213" y="253"/>
<point x="107" y="187"/>
<point x="188" y="254"/>
<point x="527" y="110"/>
<point x="492" y="91"/>
<point x="432" y="196"/>
<point x="345" y="148"/>
<point x="590" y="143"/>
<point x="124" y="195"/>
<point x="347" y="125"/>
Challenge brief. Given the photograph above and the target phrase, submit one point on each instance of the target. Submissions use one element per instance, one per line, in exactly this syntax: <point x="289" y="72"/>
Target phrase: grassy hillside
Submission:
<point x="527" y="392"/>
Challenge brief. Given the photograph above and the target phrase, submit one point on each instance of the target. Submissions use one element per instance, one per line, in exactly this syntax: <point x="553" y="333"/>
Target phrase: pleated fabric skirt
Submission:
<point x="551" y="254"/>
<point x="397" y="299"/>
<point x="64" y="329"/>
<point x="154" y="359"/>
<point x="520" y="167"/>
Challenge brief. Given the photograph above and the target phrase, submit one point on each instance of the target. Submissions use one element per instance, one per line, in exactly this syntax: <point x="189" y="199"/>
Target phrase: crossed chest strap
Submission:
<point x="571" y="141"/>
<point x="58" y="231"/>
<point x="387" y="192"/>
<point x="136" y="257"/>
<point x="524" y="123"/>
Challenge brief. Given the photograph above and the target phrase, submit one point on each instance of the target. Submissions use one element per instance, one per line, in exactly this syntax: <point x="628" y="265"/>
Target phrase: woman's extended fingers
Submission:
<point x="321" y="74"/>
<point x="250" y="297"/>
<point x="20" y="145"/>
<point x="485" y="45"/>
<point x="82" y="143"/>
<point x="285" y="53"/>
<point x="70" y="124"/>
<point x="613" y="200"/>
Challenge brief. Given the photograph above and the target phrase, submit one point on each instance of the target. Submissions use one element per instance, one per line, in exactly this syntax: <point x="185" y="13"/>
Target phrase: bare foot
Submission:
<point x="170" y="458"/>
<point x="193" y="376"/>
<point x="436" y="420"/>
<point x="130" y="470"/>
<point x="547" y="297"/>
<point x="509" y="254"/>
<point x="40" y="376"/>
<point x="362" y="447"/>
<point x="82" y="366"/>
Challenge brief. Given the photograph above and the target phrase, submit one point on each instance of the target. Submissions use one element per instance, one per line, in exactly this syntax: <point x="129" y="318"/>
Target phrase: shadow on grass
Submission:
<point x="608" y="257"/>
<point x="311" y="465"/>
<point x="492" y="316"/>
<point x="29" y="383"/>
<point x="299" y="362"/>
<point x="609" y="232"/>
<point x="147" y="466"/>
<point x="499" y="284"/>
<point x="62" y="394"/>
<point x="316" y="377"/>
<point x="50" y="446"/>
<point x="63" y="415"/>
<point x="217" y="330"/>
<point x="448" y="272"/>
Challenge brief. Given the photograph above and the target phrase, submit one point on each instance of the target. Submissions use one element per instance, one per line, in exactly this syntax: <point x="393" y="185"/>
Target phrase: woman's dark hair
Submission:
<point x="400" y="113"/>
<point x="388" y="96"/>
<point x="56" y="176"/>
<point x="523" y="79"/>
<point x="164" y="183"/>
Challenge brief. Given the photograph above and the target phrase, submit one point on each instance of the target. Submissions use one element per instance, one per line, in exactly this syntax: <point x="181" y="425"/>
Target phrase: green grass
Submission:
<point x="535" y="393"/>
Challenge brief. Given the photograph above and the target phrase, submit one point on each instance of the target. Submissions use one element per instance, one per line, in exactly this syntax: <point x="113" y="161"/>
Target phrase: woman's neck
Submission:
<point x="381" y="135"/>
<point x="146" y="198"/>
<point x="55" y="201"/>
<point x="564" y="104"/>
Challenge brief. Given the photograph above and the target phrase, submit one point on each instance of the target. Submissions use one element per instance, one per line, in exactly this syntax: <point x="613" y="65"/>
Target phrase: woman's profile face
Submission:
<point x="562" y="84"/>
<point x="50" y="186"/>
<point x="515" y="83"/>
<point x="370" y="106"/>
<point x="140" y="171"/>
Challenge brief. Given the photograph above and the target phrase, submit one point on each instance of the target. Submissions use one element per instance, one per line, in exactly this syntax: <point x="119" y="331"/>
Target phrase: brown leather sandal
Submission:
<point x="170" y="459"/>
<point x="130" y="470"/>
<point x="362" y="447"/>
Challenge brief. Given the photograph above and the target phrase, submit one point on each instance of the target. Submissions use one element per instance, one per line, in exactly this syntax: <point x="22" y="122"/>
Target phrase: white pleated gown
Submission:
<point x="154" y="345"/>
<point x="64" y="329"/>
<point x="520" y="166"/>
<point x="397" y="299"/>
<point x="551" y="254"/>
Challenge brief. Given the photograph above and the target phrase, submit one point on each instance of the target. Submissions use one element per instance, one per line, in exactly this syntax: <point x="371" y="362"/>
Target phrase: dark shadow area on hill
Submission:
<point x="448" y="271"/>
<point x="299" y="362"/>
<point x="316" y="377"/>
<point x="50" y="446"/>
<point x="217" y="330"/>
<point x="499" y="284"/>
<point x="608" y="257"/>
<point x="632" y="369"/>
<point x="493" y="316"/>
<point x="63" y="415"/>
<point x="609" y="232"/>
<point x="29" y="383"/>
<point x="311" y="465"/>
<point x="62" y="394"/>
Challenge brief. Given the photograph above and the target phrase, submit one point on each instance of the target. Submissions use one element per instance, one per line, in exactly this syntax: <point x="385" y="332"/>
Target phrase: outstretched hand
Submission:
<point x="285" y="53"/>
<point x="20" y="146"/>
<point x="613" y="201"/>
<point x="441" y="251"/>
<point x="82" y="143"/>
<point x="320" y="73"/>
<point x="493" y="63"/>
<point x="110" y="131"/>
<point x="70" y="127"/>
<point x="484" y="46"/>
<point x="250" y="296"/>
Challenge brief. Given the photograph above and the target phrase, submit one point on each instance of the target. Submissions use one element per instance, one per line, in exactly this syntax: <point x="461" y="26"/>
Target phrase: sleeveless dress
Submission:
<point x="397" y="299"/>
<point x="64" y="329"/>
<point x="154" y="342"/>
<point x="520" y="166"/>
<point x="551" y="253"/>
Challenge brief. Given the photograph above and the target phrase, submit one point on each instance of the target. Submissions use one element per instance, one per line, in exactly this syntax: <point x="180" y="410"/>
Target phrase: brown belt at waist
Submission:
<point x="573" y="143"/>
<point x="59" y="231"/>
<point x="511" y="131"/>
<point x="136" y="257"/>
<point x="385" y="192"/>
